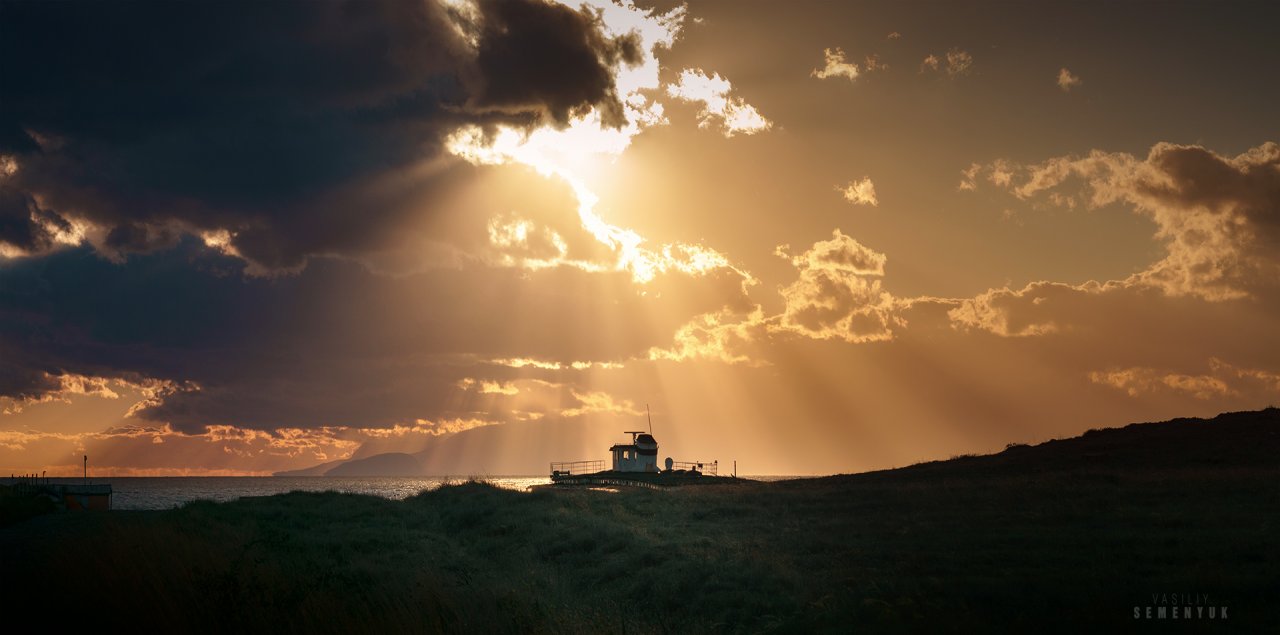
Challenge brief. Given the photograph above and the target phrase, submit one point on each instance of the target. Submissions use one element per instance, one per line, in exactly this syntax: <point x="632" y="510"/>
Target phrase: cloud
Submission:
<point x="1136" y="381"/>
<point x="860" y="192"/>
<point x="958" y="62"/>
<point x="488" y="387"/>
<point x="129" y="447"/>
<point x="334" y="345"/>
<point x="1222" y="380"/>
<point x="21" y="388"/>
<point x="128" y="450"/>
<point x="873" y="63"/>
<point x="533" y="56"/>
<point x="552" y="365"/>
<point x="528" y="398"/>
<point x="724" y="336"/>
<point x="1031" y="311"/>
<point x="1067" y="81"/>
<point x="835" y="66"/>
<point x="732" y="114"/>
<point x="837" y="294"/>
<point x="894" y="35"/>
<point x="841" y="253"/>
<point x="969" y="180"/>
<point x="523" y="243"/>
<point x="363" y="334"/>
<point x="954" y="63"/>
<point x="1215" y="215"/>
<point x="287" y="129"/>
<point x="597" y="402"/>
<point x="49" y="388"/>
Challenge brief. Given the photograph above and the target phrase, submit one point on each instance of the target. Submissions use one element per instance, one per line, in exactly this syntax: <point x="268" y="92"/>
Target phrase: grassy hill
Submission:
<point x="1066" y="536"/>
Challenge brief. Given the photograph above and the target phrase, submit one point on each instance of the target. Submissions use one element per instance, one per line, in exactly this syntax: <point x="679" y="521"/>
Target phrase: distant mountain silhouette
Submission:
<point x="522" y="448"/>
<point x="389" y="464"/>
<point x="314" y="470"/>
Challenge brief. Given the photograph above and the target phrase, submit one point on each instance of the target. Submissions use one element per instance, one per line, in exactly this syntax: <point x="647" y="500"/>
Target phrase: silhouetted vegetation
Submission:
<point x="1066" y="536"/>
<point x="16" y="507"/>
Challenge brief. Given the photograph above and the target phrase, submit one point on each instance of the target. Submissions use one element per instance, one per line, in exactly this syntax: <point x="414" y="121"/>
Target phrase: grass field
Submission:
<point x="1068" y="536"/>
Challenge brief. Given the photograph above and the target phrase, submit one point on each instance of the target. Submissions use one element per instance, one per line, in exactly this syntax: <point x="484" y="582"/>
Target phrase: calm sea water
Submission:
<point x="171" y="491"/>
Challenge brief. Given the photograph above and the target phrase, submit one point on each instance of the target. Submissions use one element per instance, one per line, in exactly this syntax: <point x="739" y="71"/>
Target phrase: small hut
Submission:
<point x="641" y="455"/>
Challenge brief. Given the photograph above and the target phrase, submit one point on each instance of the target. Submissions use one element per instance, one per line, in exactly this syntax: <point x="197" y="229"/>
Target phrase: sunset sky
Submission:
<point x="237" y="238"/>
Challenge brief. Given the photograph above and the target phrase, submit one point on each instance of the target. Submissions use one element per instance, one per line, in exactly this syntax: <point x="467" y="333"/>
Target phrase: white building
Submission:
<point x="641" y="455"/>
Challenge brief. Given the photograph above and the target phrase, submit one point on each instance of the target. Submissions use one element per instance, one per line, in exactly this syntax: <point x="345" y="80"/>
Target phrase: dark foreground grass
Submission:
<point x="1069" y="541"/>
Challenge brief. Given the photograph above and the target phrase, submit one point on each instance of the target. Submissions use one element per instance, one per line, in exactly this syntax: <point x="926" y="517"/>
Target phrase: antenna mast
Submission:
<point x="649" y="417"/>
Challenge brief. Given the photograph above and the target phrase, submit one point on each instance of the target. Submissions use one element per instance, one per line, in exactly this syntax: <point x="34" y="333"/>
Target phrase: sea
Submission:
<point x="167" y="492"/>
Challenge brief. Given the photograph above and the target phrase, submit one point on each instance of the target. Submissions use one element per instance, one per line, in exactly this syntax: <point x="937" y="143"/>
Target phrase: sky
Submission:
<point x="809" y="237"/>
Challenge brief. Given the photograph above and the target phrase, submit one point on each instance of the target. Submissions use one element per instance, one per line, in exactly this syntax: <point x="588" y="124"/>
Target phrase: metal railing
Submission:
<point x="705" y="467"/>
<point x="576" y="467"/>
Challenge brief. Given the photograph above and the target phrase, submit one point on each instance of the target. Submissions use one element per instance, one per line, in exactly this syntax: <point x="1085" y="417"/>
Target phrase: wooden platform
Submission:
<point x="650" y="480"/>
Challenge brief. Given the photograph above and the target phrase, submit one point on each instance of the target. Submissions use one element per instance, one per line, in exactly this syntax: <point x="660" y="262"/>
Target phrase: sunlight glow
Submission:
<point x="554" y="152"/>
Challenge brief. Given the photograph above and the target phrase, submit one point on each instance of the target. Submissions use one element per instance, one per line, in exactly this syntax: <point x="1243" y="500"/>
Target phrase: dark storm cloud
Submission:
<point x="564" y="75"/>
<point x="23" y="222"/>
<point x="294" y="125"/>
<point x="333" y="345"/>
